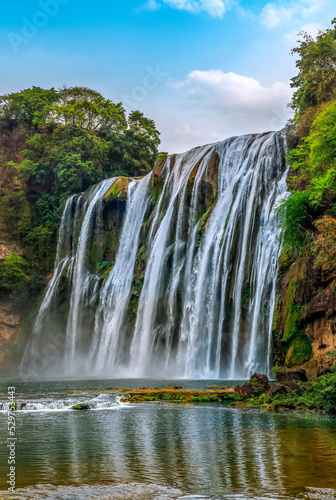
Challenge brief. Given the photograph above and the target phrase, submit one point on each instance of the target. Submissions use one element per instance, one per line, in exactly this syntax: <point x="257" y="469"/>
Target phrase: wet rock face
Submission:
<point x="305" y="317"/>
<point x="10" y="330"/>
<point x="285" y="376"/>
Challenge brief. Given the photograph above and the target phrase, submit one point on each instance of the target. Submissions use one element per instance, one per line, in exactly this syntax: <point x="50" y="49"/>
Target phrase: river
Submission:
<point x="161" y="450"/>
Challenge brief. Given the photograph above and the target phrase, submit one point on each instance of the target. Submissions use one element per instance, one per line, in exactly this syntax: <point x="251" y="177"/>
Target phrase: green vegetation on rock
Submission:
<point x="55" y="143"/>
<point x="307" y="263"/>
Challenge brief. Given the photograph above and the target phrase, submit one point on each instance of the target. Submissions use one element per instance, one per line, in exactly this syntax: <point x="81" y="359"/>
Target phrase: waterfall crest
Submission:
<point x="170" y="275"/>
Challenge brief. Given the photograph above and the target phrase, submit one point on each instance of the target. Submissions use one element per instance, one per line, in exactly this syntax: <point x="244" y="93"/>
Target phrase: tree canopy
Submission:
<point x="316" y="78"/>
<point x="57" y="142"/>
<point x="308" y="215"/>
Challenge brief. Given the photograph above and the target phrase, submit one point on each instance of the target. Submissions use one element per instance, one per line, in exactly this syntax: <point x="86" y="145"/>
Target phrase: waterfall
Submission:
<point x="173" y="274"/>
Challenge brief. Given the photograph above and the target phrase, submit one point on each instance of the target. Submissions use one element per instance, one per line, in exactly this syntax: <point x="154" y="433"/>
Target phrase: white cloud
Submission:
<point x="278" y="14"/>
<point x="187" y="132"/>
<point x="215" y="105"/>
<point x="216" y="8"/>
<point x="229" y="91"/>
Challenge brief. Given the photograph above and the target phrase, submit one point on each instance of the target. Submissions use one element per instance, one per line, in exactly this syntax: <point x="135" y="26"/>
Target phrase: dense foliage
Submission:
<point x="315" y="82"/>
<point x="319" y="394"/>
<point x="54" y="143"/>
<point x="311" y="138"/>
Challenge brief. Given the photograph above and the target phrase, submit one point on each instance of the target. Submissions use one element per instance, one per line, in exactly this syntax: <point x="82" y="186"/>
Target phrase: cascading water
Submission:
<point x="173" y="274"/>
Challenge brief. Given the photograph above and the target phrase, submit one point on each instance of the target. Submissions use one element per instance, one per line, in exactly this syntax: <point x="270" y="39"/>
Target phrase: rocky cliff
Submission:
<point x="305" y="318"/>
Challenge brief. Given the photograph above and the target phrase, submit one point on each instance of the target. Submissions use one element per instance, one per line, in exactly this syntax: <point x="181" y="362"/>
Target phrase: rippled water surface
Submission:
<point x="212" y="450"/>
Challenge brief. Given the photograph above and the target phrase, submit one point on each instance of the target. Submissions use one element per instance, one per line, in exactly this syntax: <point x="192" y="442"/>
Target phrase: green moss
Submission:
<point x="300" y="350"/>
<point x="118" y="189"/>
<point x="286" y="259"/>
<point x="13" y="272"/>
<point x="277" y="315"/>
<point x="292" y="321"/>
<point x="196" y="399"/>
<point x="205" y="218"/>
<point x="156" y="192"/>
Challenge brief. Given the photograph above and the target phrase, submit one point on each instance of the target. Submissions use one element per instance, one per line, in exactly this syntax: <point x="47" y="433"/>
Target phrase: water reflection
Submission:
<point x="206" y="449"/>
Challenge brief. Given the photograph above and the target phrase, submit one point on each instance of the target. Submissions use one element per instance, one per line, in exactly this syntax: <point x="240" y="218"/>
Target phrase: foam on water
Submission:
<point x="64" y="403"/>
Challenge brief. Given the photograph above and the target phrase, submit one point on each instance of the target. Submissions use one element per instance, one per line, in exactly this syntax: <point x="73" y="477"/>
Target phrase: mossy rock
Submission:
<point x="293" y="319"/>
<point x="286" y="259"/>
<point x="300" y="350"/>
<point x="206" y="218"/>
<point x="81" y="406"/>
<point x="118" y="189"/>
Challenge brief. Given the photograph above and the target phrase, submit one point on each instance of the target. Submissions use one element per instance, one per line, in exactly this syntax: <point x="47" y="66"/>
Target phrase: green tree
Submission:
<point x="29" y="107"/>
<point x="70" y="139"/>
<point x="142" y="140"/>
<point x="316" y="78"/>
<point x="86" y="108"/>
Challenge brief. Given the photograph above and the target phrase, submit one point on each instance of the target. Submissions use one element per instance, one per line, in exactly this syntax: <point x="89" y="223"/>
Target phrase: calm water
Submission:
<point x="211" y="450"/>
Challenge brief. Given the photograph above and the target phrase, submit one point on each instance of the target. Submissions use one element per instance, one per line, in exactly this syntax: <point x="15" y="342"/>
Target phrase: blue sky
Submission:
<point x="202" y="69"/>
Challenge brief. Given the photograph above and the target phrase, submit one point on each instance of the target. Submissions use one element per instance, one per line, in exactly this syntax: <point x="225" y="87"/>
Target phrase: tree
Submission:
<point x="142" y="140"/>
<point x="316" y="79"/>
<point x="87" y="108"/>
<point x="29" y="107"/>
<point x="69" y="139"/>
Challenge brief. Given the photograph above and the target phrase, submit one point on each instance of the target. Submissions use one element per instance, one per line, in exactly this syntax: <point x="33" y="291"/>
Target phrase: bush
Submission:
<point x="295" y="219"/>
<point x="12" y="272"/>
<point x="320" y="394"/>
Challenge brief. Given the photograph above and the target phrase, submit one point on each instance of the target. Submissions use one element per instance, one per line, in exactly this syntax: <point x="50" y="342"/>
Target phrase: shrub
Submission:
<point x="295" y="219"/>
<point x="12" y="272"/>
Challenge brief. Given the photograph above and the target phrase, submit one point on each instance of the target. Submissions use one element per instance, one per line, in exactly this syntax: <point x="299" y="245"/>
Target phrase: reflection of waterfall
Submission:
<point x="190" y="287"/>
<point x="218" y="451"/>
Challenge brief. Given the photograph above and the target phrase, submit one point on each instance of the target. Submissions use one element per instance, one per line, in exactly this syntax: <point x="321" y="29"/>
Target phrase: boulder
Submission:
<point x="284" y="376"/>
<point x="279" y="389"/>
<point x="294" y="386"/>
<point x="81" y="406"/>
<point x="260" y="380"/>
<point x="245" y="391"/>
<point x="257" y="385"/>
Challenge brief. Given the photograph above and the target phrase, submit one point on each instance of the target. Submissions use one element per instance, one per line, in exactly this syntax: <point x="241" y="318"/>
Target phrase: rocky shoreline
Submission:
<point x="290" y="390"/>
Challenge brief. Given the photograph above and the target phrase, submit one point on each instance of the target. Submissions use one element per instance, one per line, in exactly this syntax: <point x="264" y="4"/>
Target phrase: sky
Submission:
<point x="203" y="70"/>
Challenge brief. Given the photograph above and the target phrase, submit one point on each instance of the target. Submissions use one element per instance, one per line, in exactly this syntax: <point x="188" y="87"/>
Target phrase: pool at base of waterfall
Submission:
<point x="160" y="451"/>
